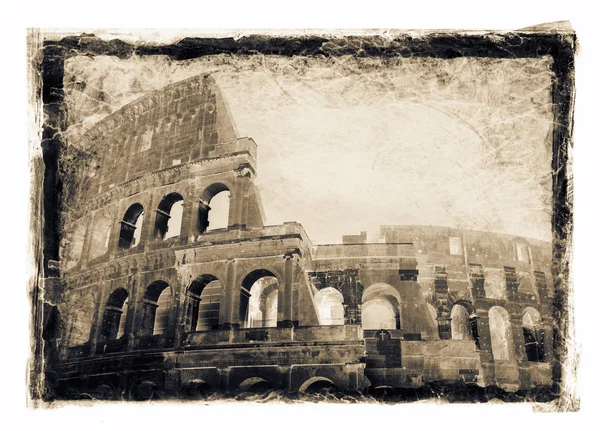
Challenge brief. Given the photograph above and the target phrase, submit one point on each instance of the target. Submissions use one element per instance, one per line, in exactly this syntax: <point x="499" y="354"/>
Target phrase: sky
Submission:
<point x="348" y="144"/>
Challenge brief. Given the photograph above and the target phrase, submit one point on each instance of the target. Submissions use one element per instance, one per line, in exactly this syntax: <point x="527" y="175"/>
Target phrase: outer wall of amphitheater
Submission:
<point x="153" y="303"/>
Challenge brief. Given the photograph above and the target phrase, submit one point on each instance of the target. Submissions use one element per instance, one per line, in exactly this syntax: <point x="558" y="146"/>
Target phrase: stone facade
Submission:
<point x="136" y="320"/>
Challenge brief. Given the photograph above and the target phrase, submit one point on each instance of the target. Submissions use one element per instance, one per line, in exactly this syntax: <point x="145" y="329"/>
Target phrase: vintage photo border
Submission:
<point x="49" y="57"/>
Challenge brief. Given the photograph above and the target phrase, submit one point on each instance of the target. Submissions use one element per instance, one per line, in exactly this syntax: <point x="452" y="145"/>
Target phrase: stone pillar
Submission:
<point x="442" y="304"/>
<point x="132" y="309"/>
<point x="97" y="320"/>
<point x="444" y="325"/>
<point x="547" y="339"/>
<point x="186" y="220"/>
<point x="149" y="221"/>
<point x="224" y="379"/>
<point x="516" y="323"/>
<point x="352" y="305"/>
<point x="229" y="313"/>
<point x="288" y="292"/>
<point x="512" y="283"/>
<point x="238" y="205"/>
<point x="488" y="375"/>
<point x="113" y="239"/>
<point x="161" y="218"/>
<point x="139" y="313"/>
<point x="477" y="279"/>
<point x="174" y="331"/>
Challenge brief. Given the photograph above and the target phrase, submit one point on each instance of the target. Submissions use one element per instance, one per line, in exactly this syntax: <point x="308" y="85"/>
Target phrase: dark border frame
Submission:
<point x="561" y="46"/>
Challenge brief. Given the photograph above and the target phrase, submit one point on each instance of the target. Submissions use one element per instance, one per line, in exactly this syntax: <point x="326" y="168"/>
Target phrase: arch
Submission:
<point x="213" y="211"/>
<point x="196" y="388"/>
<point x="105" y="392"/>
<point x="115" y="312"/>
<point x="131" y="227"/>
<point x="315" y="380"/>
<point x="501" y="334"/>
<point x="460" y="323"/>
<point x="381" y="307"/>
<point x="378" y="289"/>
<point x="254" y="384"/>
<point x="203" y="303"/>
<point x="533" y="335"/>
<point x="156" y="308"/>
<point x="100" y="235"/>
<point x="169" y="216"/>
<point x="259" y="299"/>
<point x="329" y="302"/>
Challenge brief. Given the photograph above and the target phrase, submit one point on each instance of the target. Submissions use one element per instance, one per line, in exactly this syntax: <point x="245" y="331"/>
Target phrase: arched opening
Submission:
<point x="329" y="302"/>
<point x="255" y="384"/>
<point x="380" y="307"/>
<point x="145" y="391"/>
<point x="258" y="299"/>
<point x="203" y="303"/>
<point x="460" y="323"/>
<point x="169" y="216"/>
<point x="114" y="315"/>
<point x="501" y="334"/>
<point x="157" y="305"/>
<point x="100" y="235"/>
<point x="317" y="384"/>
<point x="104" y="392"/>
<point x="196" y="389"/>
<point x="533" y="335"/>
<point x="214" y="208"/>
<point x="131" y="227"/>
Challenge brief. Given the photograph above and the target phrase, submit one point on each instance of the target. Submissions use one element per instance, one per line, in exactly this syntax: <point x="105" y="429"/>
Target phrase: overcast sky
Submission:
<point x="346" y="145"/>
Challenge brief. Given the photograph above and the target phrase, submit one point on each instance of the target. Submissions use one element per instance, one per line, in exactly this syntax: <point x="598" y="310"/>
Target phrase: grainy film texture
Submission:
<point x="358" y="217"/>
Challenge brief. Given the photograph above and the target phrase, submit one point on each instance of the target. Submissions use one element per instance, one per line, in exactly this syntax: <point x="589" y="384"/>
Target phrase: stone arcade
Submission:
<point x="170" y="283"/>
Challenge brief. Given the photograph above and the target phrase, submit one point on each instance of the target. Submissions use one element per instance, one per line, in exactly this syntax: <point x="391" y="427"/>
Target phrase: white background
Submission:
<point x="14" y="314"/>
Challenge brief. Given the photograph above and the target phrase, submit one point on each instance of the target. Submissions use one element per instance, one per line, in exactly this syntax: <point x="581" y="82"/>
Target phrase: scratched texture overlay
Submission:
<point x="465" y="130"/>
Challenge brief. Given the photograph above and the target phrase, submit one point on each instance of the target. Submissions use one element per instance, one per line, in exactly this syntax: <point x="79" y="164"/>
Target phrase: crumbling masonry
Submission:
<point x="150" y="307"/>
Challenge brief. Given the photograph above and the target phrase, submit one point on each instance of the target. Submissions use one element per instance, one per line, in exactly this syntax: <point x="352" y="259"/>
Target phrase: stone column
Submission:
<point x="548" y="340"/>
<point x="288" y="293"/>
<point x="97" y="320"/>
<point x="444" y="325"/>
<point x="229" y="313"/>
<point x="352" y="297"/>
<point x="488" y="374"/>
<point x="186" y="221"/>
<point x="516" y="323"/>
<point x="132" y="309"/>
<point x="173" y="331"/>
<point x="149" y="221"/>
<point x="237" y="205"/>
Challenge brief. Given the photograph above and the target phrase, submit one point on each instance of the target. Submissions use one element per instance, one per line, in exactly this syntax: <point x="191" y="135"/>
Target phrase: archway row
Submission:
<point x="213" y="214"/>
<point x="202" y="308"/>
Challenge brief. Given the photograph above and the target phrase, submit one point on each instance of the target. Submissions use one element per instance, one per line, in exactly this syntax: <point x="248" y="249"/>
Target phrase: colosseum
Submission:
<point x="172" y="285"/>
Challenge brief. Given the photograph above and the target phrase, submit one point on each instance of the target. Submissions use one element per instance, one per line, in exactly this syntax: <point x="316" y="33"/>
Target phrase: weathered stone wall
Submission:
<point x="181" y="140"/>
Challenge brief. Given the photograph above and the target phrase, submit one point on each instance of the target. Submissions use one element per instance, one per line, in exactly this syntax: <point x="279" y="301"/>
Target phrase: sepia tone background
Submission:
<point x="348" y="143"/>
<point x="460" y="110"/>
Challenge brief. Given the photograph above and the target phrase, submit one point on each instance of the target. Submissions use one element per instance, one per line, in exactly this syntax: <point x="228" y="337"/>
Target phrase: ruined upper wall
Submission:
<point x="182" y="122"/>
<point x="491" y="248"/>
